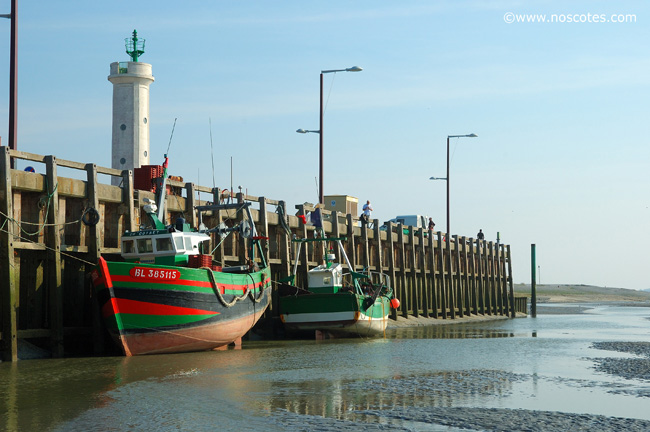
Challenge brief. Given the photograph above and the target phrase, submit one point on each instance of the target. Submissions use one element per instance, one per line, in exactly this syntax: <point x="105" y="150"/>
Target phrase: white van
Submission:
<point x="416" y="221"/>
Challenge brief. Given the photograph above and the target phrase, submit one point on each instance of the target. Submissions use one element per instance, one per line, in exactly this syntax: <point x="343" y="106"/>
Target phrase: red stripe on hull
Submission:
<point x="143" y="308"/>
<point x="105" y="276"/>
<point x="194" y="339"/>
<point x="188" y="282"/>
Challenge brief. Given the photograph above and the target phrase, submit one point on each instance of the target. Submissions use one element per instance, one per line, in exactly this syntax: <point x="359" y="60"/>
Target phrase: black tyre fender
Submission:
<point x="90" y="217"/>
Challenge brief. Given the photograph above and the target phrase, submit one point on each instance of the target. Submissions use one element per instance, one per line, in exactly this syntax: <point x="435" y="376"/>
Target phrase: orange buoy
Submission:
<point x="394" y="303"/>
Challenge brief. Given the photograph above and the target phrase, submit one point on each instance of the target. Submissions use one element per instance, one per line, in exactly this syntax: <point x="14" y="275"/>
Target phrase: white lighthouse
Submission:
<point x="131" y="82"/>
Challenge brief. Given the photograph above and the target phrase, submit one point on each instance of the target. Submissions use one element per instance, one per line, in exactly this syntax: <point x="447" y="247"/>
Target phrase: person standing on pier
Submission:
<point x="367" y="211"/>
<point x="432" y="224"/>
<point x="480" y="235"/>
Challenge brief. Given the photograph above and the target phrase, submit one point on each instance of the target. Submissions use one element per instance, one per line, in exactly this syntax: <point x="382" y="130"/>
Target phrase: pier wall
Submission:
<point x="46" y="251"/>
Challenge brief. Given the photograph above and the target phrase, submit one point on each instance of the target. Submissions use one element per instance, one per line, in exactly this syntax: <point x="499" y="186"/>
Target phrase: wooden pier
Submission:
<point x="46" y="251"/>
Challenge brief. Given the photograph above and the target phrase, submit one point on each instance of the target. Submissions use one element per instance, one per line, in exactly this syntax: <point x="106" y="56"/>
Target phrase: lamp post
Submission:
<point x="13" y="86"/>
<point x="321" y="194"/>
<point x="452" y="136"/>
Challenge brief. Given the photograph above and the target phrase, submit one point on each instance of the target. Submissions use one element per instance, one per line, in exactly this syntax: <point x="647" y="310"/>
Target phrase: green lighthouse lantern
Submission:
<point x="134" y="46"/>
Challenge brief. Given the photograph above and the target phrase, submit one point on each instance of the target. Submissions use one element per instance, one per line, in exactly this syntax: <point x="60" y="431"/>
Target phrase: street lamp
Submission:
<point x="321" y="198"/>
<point x="13" y="73"/>
<point x="452" y="136"/>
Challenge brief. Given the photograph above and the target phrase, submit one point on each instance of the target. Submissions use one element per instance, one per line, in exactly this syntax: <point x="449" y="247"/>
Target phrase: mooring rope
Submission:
<point x="49" y="248"/>
<point x="217" y="291"/>
<point x="262" y="289"/>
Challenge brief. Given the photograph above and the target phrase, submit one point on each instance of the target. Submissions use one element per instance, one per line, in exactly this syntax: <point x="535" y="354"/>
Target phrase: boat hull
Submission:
<point x="154" y="309"/>
<point x="342" y="314"/>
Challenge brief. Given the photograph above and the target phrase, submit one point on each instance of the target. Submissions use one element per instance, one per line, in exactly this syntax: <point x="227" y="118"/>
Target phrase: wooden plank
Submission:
<point x="459" y="291"/>
<point x="473" y="275"/>
<point x="491" y="282"/>
<point x="513" y="312"/>
<point x="34" y="333"/>
<point x="216" y="244"/>
<point x="94" y="253"/>
<point x="28" y="245"/>
<point x="365" y="246"/>
<point x="54" y="272"/>
<point x="285" y="245"/>
<point x="28" y="182"/>
<point x="424" y="288"/>
<point x="442" y="277"/>
<point x="26" y="156"/>
<point x="93" y="202"/>
<point x="497" y="287"/>
<point x="304" y="259"/>
<point x="465" y="277"/>
<point x="190" y="203"/>
<point x="128" y="194"/>
<point x="109" y="171"/>
<point x="391" y="265"/>
<point x="264" y="227"/>
<point x="379" y="265"/>
<point x="8" y="285"/>
<point x="450" y="279"/>
<point x="503" y="283"/>
<point x="433" y="283"/>
<point x="351" y="252"/>
<point x="412" y="280"/>
<point x="482" y="299"/>
<point x="405" y="297"/>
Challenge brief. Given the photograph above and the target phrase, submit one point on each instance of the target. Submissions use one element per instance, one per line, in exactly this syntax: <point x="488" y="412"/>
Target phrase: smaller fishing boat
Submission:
<point x="337" y="304"/>
<point x="168" y="296"/>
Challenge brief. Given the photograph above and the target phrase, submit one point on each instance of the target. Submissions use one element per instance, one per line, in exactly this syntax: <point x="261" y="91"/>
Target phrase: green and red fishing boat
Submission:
<point x="167" y="296"/>
<point x="354" y="304"/>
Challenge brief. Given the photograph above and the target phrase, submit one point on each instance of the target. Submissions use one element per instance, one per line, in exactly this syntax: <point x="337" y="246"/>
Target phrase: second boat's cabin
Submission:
<point x="162" y="247"/>
<point x="325" y="279"/>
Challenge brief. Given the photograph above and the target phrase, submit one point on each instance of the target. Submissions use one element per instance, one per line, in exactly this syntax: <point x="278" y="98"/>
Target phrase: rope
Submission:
<point x="48" y="248"/>
<point x="250" y="292"/>
<point x="217" y="291"/>
<point x="283" y="221"/>
<point x="47" y="211"/>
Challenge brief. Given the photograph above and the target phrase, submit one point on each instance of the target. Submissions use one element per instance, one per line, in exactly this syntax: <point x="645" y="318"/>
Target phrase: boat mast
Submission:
<point x="162" y="192"/>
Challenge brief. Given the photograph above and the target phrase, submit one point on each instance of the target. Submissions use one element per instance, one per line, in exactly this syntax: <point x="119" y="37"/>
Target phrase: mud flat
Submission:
<point x="635" y="368"/>
<point x="496" y="419"/>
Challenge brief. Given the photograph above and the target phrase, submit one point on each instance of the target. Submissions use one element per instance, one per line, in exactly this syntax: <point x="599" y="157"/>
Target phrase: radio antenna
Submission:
<point x="171" y="136"/>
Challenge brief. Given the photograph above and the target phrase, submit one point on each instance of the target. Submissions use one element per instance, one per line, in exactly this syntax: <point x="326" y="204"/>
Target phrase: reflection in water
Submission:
<point x="448" y="331"/>
<point x="546" y="363"/>
<point x="339" y="399"/>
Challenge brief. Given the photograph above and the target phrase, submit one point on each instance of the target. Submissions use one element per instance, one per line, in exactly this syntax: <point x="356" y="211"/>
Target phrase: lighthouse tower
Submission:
<point x="131" y="82"/>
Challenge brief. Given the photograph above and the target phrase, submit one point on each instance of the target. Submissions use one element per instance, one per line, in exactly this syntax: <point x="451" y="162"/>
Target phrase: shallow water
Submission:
<point x="407" y="381"/>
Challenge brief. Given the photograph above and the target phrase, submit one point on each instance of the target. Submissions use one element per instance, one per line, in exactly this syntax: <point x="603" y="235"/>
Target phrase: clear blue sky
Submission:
<point x="561" y="110"/>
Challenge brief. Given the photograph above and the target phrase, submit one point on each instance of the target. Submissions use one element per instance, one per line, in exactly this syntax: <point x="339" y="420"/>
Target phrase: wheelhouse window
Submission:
<point x="145" y="245"/>
<point x="164" y="244"/>
<point x="127" y="247"/>
<point x="178" y="241"/>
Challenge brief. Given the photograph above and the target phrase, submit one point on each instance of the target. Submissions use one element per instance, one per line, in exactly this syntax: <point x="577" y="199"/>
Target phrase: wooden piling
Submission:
<point x="391" y="264"/>
<point x="54" y="262"/>
<point x="423" y="290"/>
<point x="403" y="291"/>
<point x="8" y="282"/>
<point x="433" y="280"/>
<point x="442" y="278"/>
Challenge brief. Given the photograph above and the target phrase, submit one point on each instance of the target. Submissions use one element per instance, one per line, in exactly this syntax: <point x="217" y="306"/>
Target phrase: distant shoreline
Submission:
<point x="582" y="294"/>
